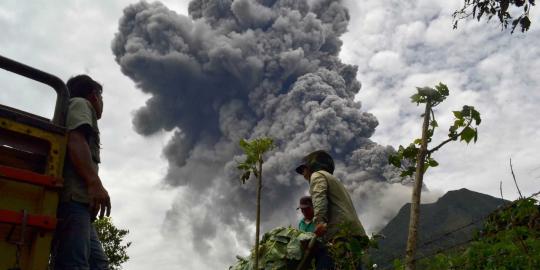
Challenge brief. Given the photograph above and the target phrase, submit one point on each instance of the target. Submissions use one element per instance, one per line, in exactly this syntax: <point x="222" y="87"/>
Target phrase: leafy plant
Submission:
<point x="347" y="249"/>
<point x="509" y="239"/>
<point x="416" y="158"/>
<point x="112" y="240"/>
<point x="498" y="8"/>
<point x="254" y="151"/>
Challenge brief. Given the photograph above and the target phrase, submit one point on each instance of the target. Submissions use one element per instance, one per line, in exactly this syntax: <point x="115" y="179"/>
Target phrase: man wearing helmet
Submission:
<point x="332" y="204"/>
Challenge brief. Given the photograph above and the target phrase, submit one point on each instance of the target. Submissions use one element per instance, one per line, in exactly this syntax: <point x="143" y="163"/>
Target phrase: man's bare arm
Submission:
<point x="79" y="154"/>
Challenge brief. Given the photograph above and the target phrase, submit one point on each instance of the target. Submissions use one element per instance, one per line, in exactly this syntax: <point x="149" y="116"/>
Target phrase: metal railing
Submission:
<point x="62" y="93"/>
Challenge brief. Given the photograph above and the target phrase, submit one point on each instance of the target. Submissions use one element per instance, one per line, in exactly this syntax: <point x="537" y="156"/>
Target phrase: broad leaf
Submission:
<point x="525" y="23"/>
<point x="468" y="134"/>
<point x="434" y="124"/>
<point x="476" y="116"/>
<point x="394" y="160"/>
<point x="442" y="89"/>
<point x="404" y="174"/>
<point x="245" y="176"/>
<point x="432" y="163"/>
<point x="410" y="152"/>
<point x="416" y="98"/>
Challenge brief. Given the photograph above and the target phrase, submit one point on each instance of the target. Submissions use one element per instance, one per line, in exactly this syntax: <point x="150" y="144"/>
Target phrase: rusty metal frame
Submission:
<point x="62" y="93"/>
<point x="18" y="218"/>
<point x="30" y="177"/>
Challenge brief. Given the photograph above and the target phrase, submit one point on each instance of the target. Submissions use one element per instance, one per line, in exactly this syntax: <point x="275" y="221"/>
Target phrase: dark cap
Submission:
<point x="305" y="202"/>
<point x="318" y="160"/>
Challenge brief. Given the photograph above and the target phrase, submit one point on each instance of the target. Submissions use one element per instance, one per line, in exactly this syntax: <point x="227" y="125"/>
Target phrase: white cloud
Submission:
<point x="409" y="34"/>
<point x="438" y="32"/>
<point x="397" y="46"/>
<point x="495" y="65"/>
<point x="483" y="67"/>
<point x="6" y="16"/>
<point x="375" y="21"/>
<point x="386" y="61"/>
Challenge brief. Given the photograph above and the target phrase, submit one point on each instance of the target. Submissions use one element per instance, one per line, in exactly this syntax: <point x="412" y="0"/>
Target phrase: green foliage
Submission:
<point x="463" y="128"/>
<point x="509" y="239"/>
<point x="498" y="8"/>
<point x="405" y="158"/>
<point x="464" y="119"/>
<point x="112" y="240"/>
<point x="398" y="264"/>
<point x="428" y="94"/>
<point x="254" y="150"/>
<point x="280" y="249"/>
<point x="347" y="249"/>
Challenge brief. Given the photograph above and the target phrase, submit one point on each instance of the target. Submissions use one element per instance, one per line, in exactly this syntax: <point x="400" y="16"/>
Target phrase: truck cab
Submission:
<point x="32" y="152"/>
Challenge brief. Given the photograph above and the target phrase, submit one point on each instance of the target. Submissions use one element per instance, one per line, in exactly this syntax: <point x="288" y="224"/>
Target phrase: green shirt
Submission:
<point x="306" y="227"/>
<point x="80" y="113"/>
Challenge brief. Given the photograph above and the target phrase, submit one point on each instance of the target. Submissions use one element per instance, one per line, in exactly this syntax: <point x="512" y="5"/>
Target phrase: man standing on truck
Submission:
<point x="83" y="196"/>
<point x="332" y="204"/>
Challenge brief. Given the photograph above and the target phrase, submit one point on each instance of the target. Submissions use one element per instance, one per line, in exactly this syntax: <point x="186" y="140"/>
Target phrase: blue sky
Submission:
<point x="397" y="45"/>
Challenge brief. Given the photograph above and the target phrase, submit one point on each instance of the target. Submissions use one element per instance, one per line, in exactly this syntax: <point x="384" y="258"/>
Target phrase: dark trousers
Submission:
<point x="324" y="261"/>
<point x="76" y="245"/>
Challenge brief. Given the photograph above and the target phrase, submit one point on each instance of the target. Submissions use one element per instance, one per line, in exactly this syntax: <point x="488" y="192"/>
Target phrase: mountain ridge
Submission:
<point x="449" y="221"/>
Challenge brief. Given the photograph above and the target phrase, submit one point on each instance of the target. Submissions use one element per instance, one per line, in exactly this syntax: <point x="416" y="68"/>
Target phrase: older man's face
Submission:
<point x="306" y="173"/>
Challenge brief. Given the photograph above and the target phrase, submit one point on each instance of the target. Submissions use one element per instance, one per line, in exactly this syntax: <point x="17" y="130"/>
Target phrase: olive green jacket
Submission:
<point x="332" y="203"/>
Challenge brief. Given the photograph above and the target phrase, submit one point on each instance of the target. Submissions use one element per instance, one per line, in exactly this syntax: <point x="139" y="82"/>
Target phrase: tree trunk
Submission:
<point x="410" y="263"/>
<point x="258" y="222"/>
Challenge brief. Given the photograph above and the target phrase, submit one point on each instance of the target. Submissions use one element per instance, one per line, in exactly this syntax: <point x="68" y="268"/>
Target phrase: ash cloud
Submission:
<point x="244" y="69"/>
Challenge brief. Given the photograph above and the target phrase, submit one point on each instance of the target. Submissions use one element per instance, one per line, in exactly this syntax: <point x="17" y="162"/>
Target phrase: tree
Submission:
<point x="415" y="159"/>
<point x="112" y="240"/>
<point x="499" y="8"/>
<point x="254" y="151"/>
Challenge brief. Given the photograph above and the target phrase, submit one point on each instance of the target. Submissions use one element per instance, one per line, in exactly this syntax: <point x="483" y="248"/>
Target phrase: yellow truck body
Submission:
<point x="32" y="152"/>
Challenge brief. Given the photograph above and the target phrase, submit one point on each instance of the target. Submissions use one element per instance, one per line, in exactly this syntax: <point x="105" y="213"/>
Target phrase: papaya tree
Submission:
<point x="254" y="151"/>
<point x="416" y="158"/>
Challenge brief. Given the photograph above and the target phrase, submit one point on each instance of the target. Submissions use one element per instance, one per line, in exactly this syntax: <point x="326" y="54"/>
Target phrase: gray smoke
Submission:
<point x="245" y="69"/>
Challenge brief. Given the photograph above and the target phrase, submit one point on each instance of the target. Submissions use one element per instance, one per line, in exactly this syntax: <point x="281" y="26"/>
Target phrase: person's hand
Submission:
<point x="320" y="229"/>
<point x="100" y="202"/>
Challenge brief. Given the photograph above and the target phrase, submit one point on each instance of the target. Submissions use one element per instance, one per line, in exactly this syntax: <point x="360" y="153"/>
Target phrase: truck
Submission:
<point x="32" y="152"/>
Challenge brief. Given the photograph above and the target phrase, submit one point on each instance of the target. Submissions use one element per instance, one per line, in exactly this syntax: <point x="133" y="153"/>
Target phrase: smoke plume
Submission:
<point x="245" y="69"/>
